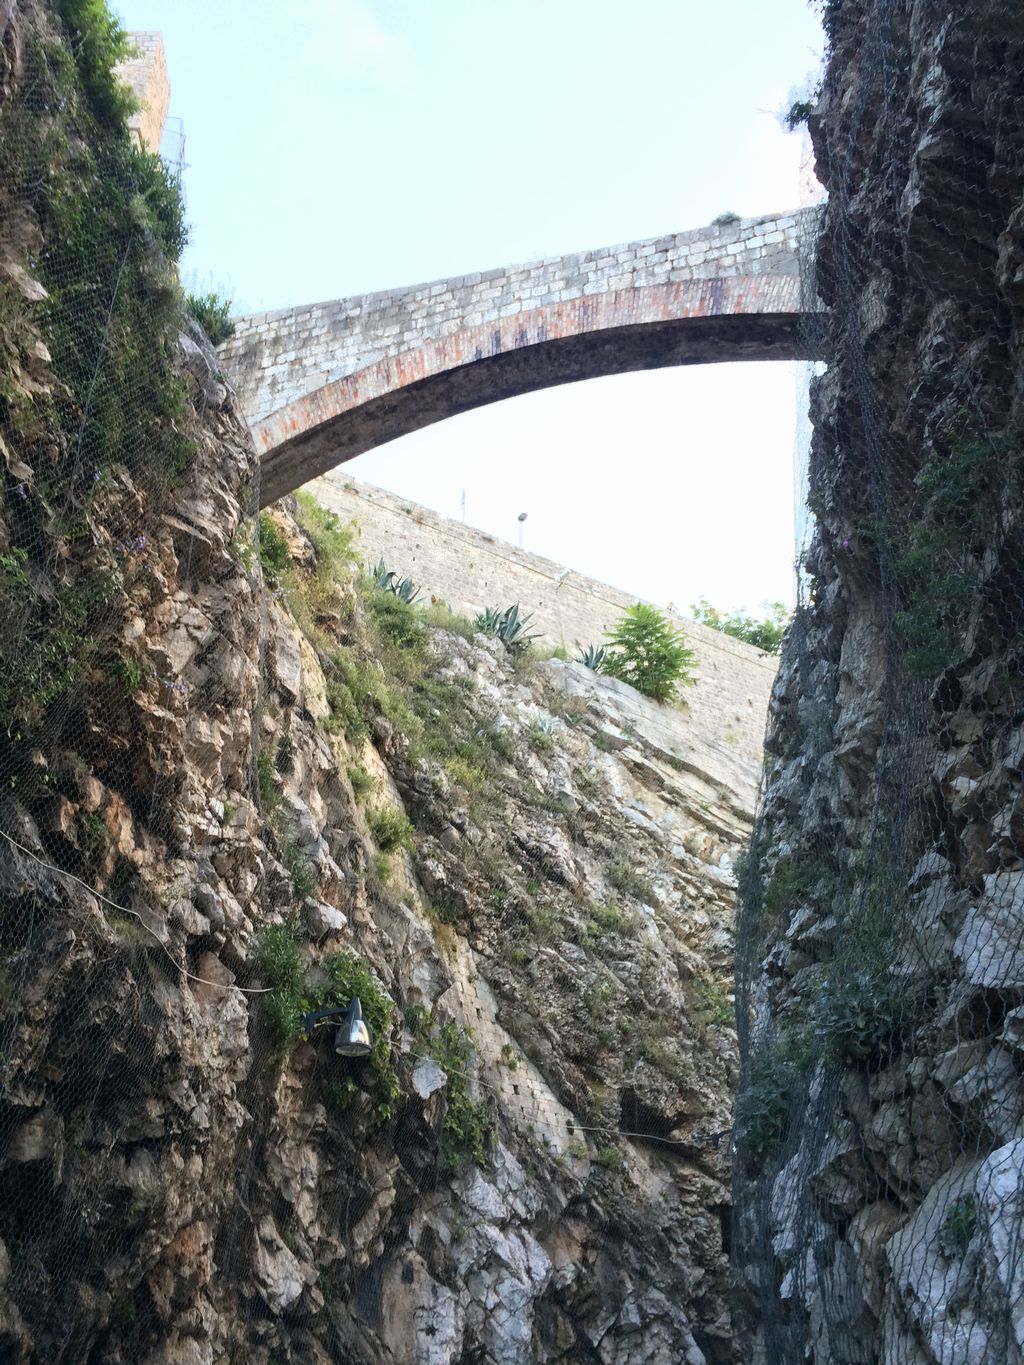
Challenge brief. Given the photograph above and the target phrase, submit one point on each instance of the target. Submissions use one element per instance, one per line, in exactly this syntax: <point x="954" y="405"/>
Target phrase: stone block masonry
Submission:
<point x="470" y="569"/>
<point x="145" y="73"/>
<point x="322" y="383"/>
<point x="277" y="357"/>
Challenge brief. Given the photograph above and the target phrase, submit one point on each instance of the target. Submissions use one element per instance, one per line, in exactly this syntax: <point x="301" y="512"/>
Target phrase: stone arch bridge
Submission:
<point x="328" y="381"/>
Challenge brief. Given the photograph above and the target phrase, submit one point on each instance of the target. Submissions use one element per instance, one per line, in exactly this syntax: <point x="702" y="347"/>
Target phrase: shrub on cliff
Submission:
<point x="213" y="313"/>
<point x="647" y="652"/>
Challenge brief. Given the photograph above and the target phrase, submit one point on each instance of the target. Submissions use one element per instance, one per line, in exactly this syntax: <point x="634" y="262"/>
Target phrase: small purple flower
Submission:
<point x="846" y="544"/>
<point x="95" y="476"/>
<point x="148" y="567"/>
<point x="139" y="542"/>
<point x="19" y="488"/>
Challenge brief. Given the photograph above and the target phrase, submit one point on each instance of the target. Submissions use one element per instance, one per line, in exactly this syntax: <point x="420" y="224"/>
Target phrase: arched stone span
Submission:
<point x="323" y="383"/>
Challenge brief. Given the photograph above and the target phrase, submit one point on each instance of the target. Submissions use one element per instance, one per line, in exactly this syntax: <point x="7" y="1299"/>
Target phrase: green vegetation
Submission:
<point x="129" y="672"/>
<point x="649" y="653"/>
<point x="278" y="960"/>
<point x="467" y="1123"/>
<point x="388" y="581"/>
<point x="99" y="43"/>
<point x="601" y="920"/>
<point x="213" y="313"/>
<point x="714" y="1009"/>
<point x="609" y="1158"/>
<point x="508" y="626"/>
<point x="362" y="782"/>
<point x="273" y="548"/>
<point x="959" y="1225"/>
<point x="938" y="556"/>
<point x="793" y="880"/>
<point x="439" y="614"/>
<point x="332" y="539"/>
<point x="764" y="633"/>
<point x="111" y="228"/>
<point x="767" y="1097"/>
<point x="266" y="782"/>
<point x="396" y="620"/>
<point x="592" y="657"/>
<point x="303" y="873"/>
<point x="541" y="733"/>
<point x="54" y="644"/>
<point x="859" y="1015"/>
<point x="380" y="863"/>
<point x="390" y="829"/>
<point x="625" y="878"/>
<point x="465" y="773"/>
<point x="348" y="976"/>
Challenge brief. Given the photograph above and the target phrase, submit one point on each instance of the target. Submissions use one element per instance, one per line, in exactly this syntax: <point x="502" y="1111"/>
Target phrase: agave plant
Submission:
<point x="404" y="588"/>
<point x="592" y="657"/>
<point x="507" y="625"/>
<point x="382" y="576"/>
<point x="488" y="621"/>
<point x="388" y="581"/>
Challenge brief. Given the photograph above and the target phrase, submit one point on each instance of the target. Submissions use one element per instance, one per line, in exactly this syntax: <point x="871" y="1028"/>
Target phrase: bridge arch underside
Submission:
<point x="520" y="354"/>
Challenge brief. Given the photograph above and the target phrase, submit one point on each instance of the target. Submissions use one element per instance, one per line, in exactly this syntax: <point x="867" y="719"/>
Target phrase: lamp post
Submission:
<point x="522" y="518"/>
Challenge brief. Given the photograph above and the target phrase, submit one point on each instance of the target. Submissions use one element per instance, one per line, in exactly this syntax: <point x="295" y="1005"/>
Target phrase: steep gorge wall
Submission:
<point x="225" y="801"/>
<point x="880" y="1173"/>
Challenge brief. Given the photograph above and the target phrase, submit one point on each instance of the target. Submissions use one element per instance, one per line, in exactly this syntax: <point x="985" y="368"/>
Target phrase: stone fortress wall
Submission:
<point x="145" y="73"/>
<point x="470" y="569"/>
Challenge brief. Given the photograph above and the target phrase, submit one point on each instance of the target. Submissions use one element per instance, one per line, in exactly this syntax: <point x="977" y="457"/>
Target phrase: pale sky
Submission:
<point x="335" y="147"/>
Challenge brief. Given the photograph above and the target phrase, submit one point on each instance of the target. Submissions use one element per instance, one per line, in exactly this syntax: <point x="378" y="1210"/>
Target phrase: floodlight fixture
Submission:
<point x="353" y="1038"/>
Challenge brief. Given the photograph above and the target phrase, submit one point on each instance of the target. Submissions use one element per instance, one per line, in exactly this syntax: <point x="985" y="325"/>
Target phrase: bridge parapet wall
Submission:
<point x="277" y="357"/>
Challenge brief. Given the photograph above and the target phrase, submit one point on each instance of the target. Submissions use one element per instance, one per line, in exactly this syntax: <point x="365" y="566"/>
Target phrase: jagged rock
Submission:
<point x="989" y="943"/>
<point x="528" y="1176"/>
<point x="280" y="1276"/>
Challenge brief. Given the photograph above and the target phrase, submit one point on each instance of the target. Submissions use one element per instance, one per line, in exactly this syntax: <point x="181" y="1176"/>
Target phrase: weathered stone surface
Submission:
<point x="325" y="382"/>
<point x="574" y="930"/>
<point x="884" y="924"/>
<point x="991" y="942"/>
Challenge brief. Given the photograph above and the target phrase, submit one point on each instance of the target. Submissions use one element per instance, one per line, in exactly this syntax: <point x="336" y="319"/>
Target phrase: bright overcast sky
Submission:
<point x="335" y="147"/>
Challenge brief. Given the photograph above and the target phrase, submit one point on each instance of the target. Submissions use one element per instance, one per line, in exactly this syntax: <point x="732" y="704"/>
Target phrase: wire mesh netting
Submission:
<point x="203" y="741"/>
<point x="879" y="1178"/>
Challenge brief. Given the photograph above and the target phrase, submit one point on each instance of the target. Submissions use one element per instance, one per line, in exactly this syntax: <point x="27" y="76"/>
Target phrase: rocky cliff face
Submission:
<point x="235" y="789"/>
<point x="531" y="1167"/>
<point x="882" y="1138"/>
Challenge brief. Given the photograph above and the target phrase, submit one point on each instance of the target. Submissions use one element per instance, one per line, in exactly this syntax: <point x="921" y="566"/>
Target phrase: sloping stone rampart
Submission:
<point x="470" y="569"/>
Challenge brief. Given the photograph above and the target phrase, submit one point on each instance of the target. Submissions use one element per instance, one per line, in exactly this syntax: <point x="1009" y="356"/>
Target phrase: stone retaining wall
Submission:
<point x="470" y="569"/>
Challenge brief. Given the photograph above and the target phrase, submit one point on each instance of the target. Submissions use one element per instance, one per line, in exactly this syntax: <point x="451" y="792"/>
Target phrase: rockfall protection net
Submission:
<point x="161" y="1174"/>
<point x="879" y="1173"/>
